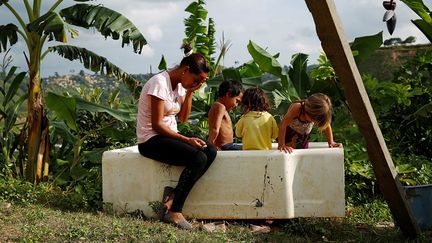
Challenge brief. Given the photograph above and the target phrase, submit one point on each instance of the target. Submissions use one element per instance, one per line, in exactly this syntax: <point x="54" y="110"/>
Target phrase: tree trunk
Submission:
<point x="38" y="136"/>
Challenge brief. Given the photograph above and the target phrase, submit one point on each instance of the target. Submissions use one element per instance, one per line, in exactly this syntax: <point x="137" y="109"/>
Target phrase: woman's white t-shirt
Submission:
<point x="160" y="87"/>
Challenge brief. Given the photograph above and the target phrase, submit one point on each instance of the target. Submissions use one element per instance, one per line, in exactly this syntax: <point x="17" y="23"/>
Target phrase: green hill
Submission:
<point x="386" y="60"/>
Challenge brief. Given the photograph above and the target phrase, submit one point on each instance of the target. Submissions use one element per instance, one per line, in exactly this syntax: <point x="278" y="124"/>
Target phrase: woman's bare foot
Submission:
<point x="176" y="216"/>
<point x="178" y="220"/>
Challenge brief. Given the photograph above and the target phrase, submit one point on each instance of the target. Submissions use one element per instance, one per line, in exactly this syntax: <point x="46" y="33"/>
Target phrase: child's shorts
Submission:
<point x="232" y="146"/>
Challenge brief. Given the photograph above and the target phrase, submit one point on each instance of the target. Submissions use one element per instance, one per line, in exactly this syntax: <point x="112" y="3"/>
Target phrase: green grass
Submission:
<point x="41" y="223"/>
<point x="45" y="213"/>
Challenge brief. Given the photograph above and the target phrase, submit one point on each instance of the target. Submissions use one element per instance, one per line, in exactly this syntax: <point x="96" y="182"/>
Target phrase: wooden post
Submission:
<point x="337" y="49"/>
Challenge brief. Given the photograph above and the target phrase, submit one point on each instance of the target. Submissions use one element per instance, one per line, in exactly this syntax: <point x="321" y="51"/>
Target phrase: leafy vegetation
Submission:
<point x="11" y="141"/>
<point x="85" y="121"/>
<point x="50" y="25"/>
<point x="89" y="128"/>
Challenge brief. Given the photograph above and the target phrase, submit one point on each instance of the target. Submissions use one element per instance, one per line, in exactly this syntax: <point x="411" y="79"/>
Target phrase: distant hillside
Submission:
<point x="69" y="82"/>
<point x="381" y="65"/>
<point x="386" y="60"/>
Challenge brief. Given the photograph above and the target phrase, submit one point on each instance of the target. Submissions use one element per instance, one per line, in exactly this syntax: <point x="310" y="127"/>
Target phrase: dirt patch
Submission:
<point x="9" y="233"/>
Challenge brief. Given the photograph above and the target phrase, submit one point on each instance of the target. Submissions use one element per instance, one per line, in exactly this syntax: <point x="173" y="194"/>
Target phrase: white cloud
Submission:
<point x="153" y="33"/>
<point x="156" y="13"/>
<point x="147" y="51"/>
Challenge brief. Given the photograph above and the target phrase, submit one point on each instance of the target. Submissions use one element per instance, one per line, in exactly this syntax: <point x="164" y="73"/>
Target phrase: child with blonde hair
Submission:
<point x="299" y="120"/>
<point x="256" y="127"/>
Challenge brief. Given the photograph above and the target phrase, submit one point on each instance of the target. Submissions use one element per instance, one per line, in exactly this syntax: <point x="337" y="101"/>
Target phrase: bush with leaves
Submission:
<point x="414" y="117"/>
<point x="404" y="107"/>
<point x="84" y="126"/>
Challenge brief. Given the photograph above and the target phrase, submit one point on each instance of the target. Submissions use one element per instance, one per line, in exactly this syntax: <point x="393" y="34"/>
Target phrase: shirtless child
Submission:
<point x="220" y="127"/>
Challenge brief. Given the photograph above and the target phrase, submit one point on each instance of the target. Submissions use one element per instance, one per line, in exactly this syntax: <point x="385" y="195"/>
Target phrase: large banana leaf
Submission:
<point x="420" y="9"/>
<point x="8" y="33"/>
<point x="249" y="74"/>
<point x="108" y="22"/>
<point x="298" y="74"/>
<point x="250" y="69"/>
<point x="50" y="24"/>
<point x="95" y="63"/>
<point x="231" y="73"/>
<point x="425" y="23"/>
<point x="119" y="114"/>
<point x="424" y="27"/>
<point x="269" y="64"/>
<point x="66" y="109"/>
<point x="364" y="46"/>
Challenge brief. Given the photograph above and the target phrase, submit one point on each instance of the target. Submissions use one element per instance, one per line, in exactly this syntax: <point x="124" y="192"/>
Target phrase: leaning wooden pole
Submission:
<point x="337" y="49"/>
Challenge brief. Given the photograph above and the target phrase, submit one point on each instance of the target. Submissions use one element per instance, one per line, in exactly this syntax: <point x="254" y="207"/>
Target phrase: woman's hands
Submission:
<point x="195" y="88"/>
<point x="197" y="143"/>
<point x="285" y="148"/>
<point x="334" y="145"/>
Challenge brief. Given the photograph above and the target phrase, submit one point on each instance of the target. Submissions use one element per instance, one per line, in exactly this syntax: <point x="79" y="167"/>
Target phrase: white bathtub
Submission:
<point x="254" y="184"/>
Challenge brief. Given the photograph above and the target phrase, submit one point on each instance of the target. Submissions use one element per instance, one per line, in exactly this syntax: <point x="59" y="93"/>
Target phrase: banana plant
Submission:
<point x="10" y="141"/>
<point x="49" y="25"/>
<point x="73" y="119"/>
<point x="199" y="34"/>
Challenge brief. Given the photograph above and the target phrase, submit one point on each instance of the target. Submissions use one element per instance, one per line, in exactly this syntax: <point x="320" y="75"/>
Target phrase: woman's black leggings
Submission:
<point x="175" y="152"/>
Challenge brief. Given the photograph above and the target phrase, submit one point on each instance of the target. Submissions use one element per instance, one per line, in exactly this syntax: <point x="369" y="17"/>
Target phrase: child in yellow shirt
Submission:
<point x="256" y="127"/>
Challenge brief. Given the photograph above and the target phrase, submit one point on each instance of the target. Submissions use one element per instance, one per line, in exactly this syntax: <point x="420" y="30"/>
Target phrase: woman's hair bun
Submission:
<point x="187" y="49"/>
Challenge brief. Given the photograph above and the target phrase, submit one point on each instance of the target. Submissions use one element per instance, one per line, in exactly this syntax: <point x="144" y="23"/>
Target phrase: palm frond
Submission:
<point x="95" y="63"/>
<point x="108" y="22"/>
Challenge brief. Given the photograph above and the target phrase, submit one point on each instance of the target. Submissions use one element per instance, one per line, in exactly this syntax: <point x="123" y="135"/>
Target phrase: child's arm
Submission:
<point x="215" y="117"/>
<point x="292" y="112"/>
<point x="329" y="135"/>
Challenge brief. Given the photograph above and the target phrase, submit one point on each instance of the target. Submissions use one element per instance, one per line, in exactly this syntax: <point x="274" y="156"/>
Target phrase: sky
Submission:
<point x="281" y="26"/>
